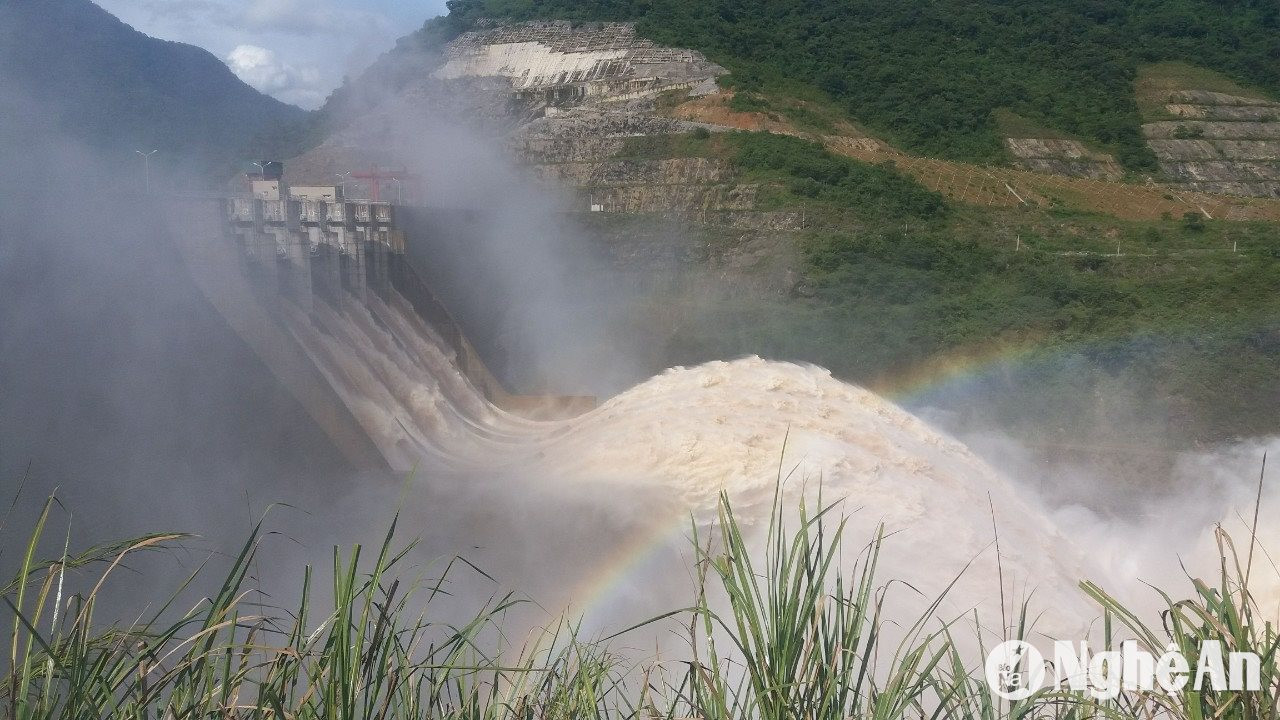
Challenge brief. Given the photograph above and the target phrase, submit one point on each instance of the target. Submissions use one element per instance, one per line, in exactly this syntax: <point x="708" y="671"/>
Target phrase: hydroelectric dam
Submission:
<point x="270" y="266"/>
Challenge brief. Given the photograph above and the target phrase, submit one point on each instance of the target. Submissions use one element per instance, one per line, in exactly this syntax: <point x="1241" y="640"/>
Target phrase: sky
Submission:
<point x="295" y="50"/>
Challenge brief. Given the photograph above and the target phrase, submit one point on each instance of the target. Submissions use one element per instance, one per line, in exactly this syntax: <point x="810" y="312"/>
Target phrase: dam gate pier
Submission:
<point x="336" y="250"/>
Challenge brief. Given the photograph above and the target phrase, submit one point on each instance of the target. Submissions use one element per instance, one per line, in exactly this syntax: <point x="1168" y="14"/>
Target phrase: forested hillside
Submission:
<point x="927" y="74"/>
<point x="1166" y="319"/>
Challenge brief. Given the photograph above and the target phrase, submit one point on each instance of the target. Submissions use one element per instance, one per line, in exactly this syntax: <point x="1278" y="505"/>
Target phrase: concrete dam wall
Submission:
<point x="247" y="255"/>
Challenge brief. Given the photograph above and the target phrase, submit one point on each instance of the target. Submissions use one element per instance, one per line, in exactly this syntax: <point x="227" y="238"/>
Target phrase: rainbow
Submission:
<point x="603" y="586"/>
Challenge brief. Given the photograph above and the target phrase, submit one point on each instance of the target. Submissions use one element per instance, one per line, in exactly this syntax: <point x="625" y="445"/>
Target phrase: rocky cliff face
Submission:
<point x="588" y="89"/>
<point x="565" y="100"/>
<point x="554" y="63"/>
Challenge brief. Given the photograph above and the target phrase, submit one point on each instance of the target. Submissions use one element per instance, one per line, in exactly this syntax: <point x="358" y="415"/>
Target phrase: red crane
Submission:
<point x="376" y="177"/>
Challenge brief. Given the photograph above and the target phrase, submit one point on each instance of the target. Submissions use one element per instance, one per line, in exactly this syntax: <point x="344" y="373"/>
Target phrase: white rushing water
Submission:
<point x="693" y="432"/>
<point x="689" y="433"/>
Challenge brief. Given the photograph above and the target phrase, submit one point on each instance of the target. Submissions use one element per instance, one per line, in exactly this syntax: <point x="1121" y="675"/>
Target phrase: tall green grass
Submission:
<point x="780" y="627"/>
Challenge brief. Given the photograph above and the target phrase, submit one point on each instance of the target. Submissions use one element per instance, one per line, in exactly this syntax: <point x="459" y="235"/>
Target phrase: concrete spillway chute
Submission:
<point x="331" y="252"/>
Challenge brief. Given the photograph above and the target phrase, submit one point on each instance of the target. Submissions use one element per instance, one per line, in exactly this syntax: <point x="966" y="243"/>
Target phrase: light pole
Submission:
<point x="146" y="168"/>
<point x="262" y="174"/>
<point x="399" y="191"/>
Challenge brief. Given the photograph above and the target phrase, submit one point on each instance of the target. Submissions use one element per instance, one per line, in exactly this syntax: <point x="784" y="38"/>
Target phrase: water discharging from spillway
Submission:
<point x="690" y="433"/>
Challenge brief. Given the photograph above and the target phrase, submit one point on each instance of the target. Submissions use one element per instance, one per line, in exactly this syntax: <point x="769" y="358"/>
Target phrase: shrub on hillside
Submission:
<point x="811" y="171"/>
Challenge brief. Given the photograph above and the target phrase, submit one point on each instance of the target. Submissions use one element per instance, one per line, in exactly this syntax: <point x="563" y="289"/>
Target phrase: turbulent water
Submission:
<point x="667" y="448"/>
<point x="693" y="432"/>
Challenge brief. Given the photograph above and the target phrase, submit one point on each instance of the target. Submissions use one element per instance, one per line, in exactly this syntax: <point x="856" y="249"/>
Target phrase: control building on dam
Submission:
<point x="317" y="246"/>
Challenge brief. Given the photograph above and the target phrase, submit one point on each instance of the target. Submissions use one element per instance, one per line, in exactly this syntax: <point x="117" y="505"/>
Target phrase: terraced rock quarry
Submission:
<point x="1208" y="134"/>
<point x="555" y="62"/>
<point x="1219" y="143"/>
<point x="1062" y="157"/>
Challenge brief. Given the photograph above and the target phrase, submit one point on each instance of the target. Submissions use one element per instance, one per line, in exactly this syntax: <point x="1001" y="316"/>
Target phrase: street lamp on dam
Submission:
<point x="146" y="168"/>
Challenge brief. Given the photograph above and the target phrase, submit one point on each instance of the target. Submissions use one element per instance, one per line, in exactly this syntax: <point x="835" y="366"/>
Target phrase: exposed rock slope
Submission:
<point x="1219" y="143"/>
<point x="565" y="100"/>
<point x="1062" y="157"/>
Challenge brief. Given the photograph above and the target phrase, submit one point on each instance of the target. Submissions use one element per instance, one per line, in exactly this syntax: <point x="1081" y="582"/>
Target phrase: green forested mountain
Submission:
<point x="895" y="279"/>
<point x="71" y="66"/>
<point x="927" y="74"/>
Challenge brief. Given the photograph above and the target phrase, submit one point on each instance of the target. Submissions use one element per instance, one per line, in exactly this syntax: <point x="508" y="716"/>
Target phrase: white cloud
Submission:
<point x="308" y="17"/>
<point x="260" y="68"/>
